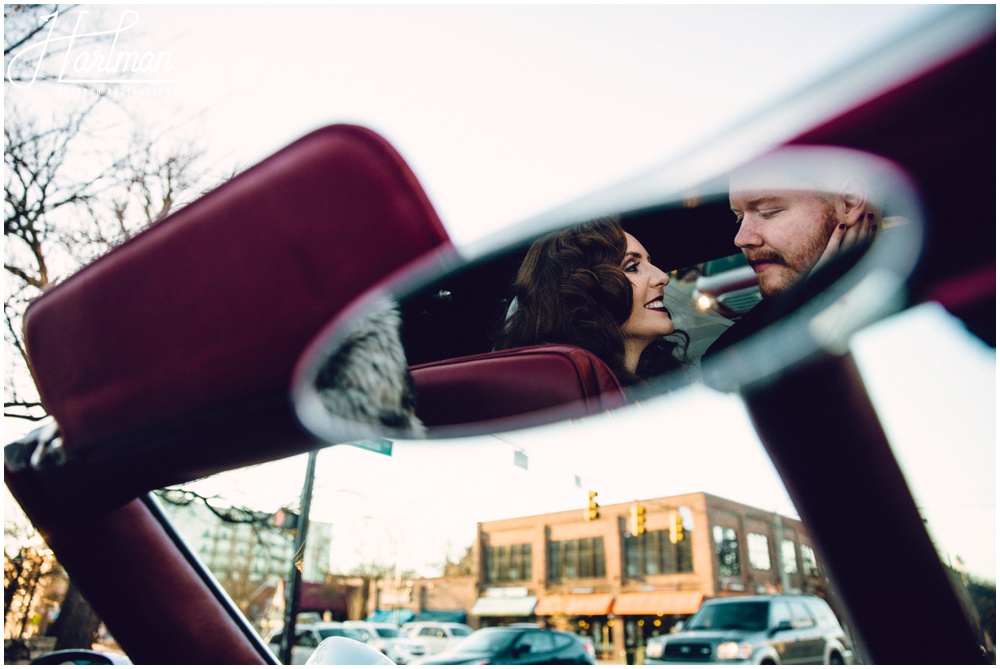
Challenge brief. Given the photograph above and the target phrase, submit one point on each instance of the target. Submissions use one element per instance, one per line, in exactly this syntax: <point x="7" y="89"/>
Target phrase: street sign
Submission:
<point x="383" y="446"/>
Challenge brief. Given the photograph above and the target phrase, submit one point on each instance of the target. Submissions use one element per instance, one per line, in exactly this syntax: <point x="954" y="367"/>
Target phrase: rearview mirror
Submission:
<point x="427" y="354"/>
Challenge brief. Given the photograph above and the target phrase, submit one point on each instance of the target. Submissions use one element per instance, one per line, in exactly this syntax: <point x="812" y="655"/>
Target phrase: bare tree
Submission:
<point x="30" y="569"/>
<point x="239" y="579"/>
<point x="59" y="217"/>
<point x="69" y="197"/>
<point x="464" y="566"/>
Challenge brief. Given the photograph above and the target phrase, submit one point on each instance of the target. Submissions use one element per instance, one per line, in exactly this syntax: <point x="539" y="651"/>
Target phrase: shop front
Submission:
<point x="646" y="614"/>
<point x="585" y="614"/>
<point x="494" y="611"/>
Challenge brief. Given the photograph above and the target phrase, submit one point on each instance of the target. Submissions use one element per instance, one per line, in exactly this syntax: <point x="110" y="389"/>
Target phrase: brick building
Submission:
<point x="634" y="571"/>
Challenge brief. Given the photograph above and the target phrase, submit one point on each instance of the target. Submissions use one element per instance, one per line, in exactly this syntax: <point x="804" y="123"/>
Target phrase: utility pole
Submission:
<point x="294" y="587"/>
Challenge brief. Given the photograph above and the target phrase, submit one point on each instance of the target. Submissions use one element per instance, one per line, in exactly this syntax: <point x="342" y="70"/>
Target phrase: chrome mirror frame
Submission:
<point x="871" y="289"/>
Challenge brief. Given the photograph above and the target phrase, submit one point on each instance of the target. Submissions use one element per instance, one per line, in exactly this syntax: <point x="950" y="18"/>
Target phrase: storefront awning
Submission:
<point x="398" y="616"/>
<point x="440" y="616"/>
<point x="575" y="605"/>
<point x="656" y="603"/>
<point x="504" y="606"/>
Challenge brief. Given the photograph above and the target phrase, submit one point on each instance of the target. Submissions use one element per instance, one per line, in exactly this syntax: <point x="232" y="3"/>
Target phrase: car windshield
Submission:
<point x="387" y="632"/>
<point x="750" y="616"/>
<point x="491" y="640"/>
<point x="552" y="468"/>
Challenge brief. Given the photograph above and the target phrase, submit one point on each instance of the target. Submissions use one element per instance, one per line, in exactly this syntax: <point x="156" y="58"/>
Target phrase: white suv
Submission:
<point x="309" y="636"/>
<point x="378" y="635"/>
<point x="434" y="637"/>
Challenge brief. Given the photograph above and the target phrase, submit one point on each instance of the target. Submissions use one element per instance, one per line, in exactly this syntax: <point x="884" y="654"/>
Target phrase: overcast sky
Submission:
<point x="502" y="111"/>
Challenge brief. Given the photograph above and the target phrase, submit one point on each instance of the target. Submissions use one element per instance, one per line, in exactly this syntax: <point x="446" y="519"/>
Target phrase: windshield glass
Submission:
<point x="487" y="641"/>
<point x="425" y="555"/>
<point x="750" y="616"/>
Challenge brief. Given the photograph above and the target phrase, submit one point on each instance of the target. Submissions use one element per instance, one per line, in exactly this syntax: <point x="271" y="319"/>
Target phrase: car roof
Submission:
<point x="756" y="598"/>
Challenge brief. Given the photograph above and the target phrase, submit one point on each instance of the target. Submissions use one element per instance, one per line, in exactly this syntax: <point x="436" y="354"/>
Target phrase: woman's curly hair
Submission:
<point x="572" y="290"/>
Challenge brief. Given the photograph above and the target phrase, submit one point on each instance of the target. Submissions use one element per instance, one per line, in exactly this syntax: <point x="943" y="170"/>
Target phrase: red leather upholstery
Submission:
<point x="183" y="340"/>
<point x="503" y="384"/>
<point x="172" y="356"/>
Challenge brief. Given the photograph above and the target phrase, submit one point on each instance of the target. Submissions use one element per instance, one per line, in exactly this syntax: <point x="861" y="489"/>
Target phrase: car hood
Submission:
<point x="409" y="644"/>
<point x="455" y="658"/>
<point x="707" y="636"/>
<point x="734" y="279"/>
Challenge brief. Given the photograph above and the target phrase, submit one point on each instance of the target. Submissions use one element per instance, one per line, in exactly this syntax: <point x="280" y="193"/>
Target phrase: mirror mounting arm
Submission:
<point x="824" y="437"/>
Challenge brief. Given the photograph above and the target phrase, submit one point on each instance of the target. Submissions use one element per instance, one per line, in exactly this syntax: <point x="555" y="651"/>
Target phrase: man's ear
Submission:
<point x="854" y="199"/>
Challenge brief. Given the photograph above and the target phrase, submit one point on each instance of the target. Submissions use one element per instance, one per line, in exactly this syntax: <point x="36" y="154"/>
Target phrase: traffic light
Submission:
<point x="592" y="512"/>
<point x="676" y="527"/>
<point x="284" y="519"/>
<point x="638" y="519"/>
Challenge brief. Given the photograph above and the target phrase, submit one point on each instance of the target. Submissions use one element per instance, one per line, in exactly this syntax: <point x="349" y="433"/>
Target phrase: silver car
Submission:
<point x="768" y="629"/>
<point x="310" y="635"/>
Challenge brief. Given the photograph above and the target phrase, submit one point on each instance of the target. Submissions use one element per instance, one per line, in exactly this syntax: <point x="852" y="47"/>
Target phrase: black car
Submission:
<point x="517" y="645"/>
<point x="768" y="629"/>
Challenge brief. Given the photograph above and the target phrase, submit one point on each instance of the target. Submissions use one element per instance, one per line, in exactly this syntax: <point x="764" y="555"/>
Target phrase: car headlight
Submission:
<point x="730" y="650"/>
<point x="654" y="649"/>
<point x="705" y="302"/>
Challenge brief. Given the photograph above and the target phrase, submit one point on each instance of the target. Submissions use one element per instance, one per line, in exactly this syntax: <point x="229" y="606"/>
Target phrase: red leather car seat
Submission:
<point x="183" y="339"/>
<point x="503" y="384"/>
<point x="172" y="355"/>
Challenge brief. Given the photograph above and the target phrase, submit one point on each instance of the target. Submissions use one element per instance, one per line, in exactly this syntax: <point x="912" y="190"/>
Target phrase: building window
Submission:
<point x="652" y="553"/>
<point x="576" y="558"/>
<point x="508" y="563"/>
<point x="788" y="563"/>
<point x="727" y="549"/>
<point x="809" y="566"/>
<point x="760" y="555"/>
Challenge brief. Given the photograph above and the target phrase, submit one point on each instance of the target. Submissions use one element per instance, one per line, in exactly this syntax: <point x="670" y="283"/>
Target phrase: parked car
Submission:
<point x="728" y="286"/>
<point x="772" y="629"/>
<point x="404" y="650"/>
<point x="310" y="635"/>
<point x="437" y="637"/>
<point x="377" y="635"/>
<point x="162" y="363"/>
<point x="517" y="645"/>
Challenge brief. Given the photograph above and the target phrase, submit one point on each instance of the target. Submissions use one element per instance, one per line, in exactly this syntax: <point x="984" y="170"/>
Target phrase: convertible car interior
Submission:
<point x="161" y="364"/>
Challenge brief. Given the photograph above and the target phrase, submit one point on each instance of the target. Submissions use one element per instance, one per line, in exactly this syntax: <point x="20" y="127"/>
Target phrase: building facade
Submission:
<point x="621" y="573"/>
<point x="252" y="560"/>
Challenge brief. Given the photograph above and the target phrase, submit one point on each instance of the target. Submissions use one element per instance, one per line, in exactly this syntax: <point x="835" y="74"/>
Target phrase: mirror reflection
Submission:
<point x="625" y="304"/>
